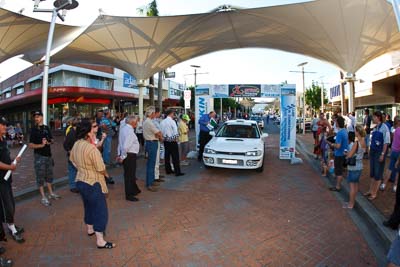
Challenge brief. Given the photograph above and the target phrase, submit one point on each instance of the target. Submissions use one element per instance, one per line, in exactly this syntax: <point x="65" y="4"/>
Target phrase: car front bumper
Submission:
<point x="232" y="162"/>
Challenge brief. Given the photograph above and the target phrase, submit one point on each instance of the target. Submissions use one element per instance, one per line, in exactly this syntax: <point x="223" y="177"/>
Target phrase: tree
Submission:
<point x="313" y="96"/>
<point x="226" y="103"/>
<point x="151" y="11"/>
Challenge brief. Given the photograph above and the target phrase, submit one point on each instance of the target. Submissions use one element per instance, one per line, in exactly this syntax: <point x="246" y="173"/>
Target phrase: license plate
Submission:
<point x="229" y="161"/>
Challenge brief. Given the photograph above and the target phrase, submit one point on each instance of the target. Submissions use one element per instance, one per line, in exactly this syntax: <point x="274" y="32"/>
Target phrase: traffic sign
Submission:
<point x="187" y="95"/>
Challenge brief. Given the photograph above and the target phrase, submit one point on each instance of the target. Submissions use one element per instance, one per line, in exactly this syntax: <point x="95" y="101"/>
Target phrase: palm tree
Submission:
<point x="151" y="11"/>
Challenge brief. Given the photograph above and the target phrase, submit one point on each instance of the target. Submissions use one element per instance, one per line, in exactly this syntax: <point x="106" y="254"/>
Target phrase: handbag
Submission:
<point x="353" y="160"/>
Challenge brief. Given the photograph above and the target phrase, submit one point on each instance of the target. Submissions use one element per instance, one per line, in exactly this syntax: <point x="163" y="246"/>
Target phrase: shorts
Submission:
<point x="353" y="176"/>
<point x="393" y="255"/>
<point x="339" y="165"/>
<point x="43" y="169"/>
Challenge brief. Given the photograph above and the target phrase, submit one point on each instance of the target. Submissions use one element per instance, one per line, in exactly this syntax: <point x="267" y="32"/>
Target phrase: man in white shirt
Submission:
<point x="169" y="130"/>
<point x="129" y="148"/>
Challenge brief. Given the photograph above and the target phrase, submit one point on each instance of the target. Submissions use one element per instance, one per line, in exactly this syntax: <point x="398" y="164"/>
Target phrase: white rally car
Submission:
<point x="238" y="144"/>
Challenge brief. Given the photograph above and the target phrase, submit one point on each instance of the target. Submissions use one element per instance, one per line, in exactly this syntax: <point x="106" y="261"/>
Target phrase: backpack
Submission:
<point x="377" y="140"/>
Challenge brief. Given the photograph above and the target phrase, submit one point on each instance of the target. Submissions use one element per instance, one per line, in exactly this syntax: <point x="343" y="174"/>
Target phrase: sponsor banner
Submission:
<point x="270" y="90"/>
<point x="220" y="91"/>
<point x="202" y="106"/>
<point x="244" y="90"/>
<point x="129" y="81"/>
<point x="288" y="122"/>
<point x="202" y="90"/>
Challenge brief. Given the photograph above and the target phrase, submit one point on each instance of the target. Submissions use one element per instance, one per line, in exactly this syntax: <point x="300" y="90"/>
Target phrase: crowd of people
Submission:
<point x="342" y="144"/>
<point x="88" y="153"/>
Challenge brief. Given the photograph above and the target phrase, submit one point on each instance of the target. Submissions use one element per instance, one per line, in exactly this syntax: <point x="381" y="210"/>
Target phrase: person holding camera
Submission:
<point x="40" y="140"/>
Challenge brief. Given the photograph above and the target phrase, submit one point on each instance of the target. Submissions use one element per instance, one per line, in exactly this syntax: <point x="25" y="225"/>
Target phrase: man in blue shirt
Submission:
<point x="340" y="146"/>
<point x="204" y="136"/>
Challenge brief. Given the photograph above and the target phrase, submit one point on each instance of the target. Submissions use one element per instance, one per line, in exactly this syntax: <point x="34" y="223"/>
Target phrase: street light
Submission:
<point x="304" y="95"/>
<point x="62" y="5"/>
<point x="195" y="73"/>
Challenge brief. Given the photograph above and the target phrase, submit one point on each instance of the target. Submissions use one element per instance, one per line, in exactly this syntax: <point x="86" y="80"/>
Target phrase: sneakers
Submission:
<point x="54" y="196"/>
<point x="18" y="237"/>
<point x="382" y="187"/>
<point x="394" y="189"/>
<point x="45" y="202"/>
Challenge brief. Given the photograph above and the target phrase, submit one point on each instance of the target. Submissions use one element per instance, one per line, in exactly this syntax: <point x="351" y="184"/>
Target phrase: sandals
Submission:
<point x="91" y="234"/>
<point x="334" y="189"/>
<point x="367" y="194"/>
<point x="346" y="206"/>
<point x="108" y="245"/>
<point x="371" y="197"/>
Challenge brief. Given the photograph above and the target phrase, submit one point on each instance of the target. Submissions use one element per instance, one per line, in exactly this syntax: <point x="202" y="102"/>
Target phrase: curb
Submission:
<point x="363" y="207"/>
<point x="32" y="191"/>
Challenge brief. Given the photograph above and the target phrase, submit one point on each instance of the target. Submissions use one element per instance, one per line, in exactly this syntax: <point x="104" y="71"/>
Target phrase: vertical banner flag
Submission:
<point x="202" y="106"/>
<point x="288" y="122"/>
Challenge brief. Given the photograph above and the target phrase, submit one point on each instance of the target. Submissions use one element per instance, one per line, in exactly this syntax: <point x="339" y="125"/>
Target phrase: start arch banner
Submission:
<point x="205" y="93"/>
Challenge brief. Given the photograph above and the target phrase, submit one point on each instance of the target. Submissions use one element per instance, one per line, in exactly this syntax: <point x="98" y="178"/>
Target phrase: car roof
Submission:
<point x="241" y="122"/>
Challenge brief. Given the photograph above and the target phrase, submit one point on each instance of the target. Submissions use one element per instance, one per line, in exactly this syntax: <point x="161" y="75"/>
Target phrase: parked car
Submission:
<point x="238" y="144"/>
<point x="259" y="120"/>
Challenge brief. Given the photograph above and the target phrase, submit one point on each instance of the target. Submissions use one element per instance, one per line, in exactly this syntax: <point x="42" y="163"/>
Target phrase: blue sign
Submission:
<point x="288" y="123"/>
<point x="129" y="81"/>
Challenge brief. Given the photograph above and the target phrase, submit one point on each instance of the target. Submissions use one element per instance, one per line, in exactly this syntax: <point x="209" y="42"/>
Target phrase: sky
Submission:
<point x="246" y="66"/>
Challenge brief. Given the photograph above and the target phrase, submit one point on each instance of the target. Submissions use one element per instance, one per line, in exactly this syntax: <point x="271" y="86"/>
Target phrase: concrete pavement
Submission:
<point x="215" y="217"/>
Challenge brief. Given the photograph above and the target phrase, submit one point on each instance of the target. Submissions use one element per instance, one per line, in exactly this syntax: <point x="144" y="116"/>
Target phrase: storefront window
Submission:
<point x="19" y="90"/>
<point x="36" y="84"/>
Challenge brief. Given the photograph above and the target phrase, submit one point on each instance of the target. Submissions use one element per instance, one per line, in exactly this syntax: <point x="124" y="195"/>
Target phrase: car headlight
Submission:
<point x="209" y="151"/>
<point x="254" y="153"/>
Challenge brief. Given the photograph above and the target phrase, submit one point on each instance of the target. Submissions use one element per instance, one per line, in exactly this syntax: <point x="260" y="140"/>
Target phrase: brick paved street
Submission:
<point x="385" y="200"/>
<point x="281" y="217"/>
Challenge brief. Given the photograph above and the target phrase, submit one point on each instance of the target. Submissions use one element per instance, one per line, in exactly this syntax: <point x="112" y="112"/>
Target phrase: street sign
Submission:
<point x="187" y="95"/>
<point x="169" y="75"/>
<point x="187" y="104"/>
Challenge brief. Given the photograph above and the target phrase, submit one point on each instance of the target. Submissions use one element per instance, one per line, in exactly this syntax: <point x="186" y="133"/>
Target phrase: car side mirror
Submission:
<point x="212" y="133"/>
<point x="264" y="135"/>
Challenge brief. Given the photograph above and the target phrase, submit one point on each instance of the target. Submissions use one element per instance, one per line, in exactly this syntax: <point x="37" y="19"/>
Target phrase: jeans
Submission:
<point x="94" y="204"/>
<point x="394" y="156"/>
<point x="71" y="174"/>
<point x="151" y="148"/>
<point x="107" y="150"/>
<point x="376" y="167"/>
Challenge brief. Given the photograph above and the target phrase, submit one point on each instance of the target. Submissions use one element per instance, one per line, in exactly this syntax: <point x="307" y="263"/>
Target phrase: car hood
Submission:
<point x="235" y="144"/>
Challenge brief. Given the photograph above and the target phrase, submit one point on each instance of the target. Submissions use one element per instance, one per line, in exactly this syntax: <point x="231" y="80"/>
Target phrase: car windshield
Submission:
<point x="238" y="131"/>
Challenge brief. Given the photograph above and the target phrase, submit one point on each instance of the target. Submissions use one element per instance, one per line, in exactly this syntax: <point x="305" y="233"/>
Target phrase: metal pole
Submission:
<point x="195" y="80"/>
<point x="304" y="101"/>
<point x="160" y="90"/>
<point x="221" y="109"/>
<point x="45" y="87"/>
<point x="322" y="97"/>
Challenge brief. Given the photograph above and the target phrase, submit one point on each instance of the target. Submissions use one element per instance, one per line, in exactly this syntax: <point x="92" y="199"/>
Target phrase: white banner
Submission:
<point x="287" y="144"/>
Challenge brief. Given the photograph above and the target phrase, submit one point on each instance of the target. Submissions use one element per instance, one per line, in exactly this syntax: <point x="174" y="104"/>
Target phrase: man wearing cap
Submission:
<point x="40" y="140"/>
<point x="183" y="139"/>
<point x="7" y="202"/>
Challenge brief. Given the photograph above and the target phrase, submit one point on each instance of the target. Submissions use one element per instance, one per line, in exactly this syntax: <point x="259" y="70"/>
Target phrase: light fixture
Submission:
<point x="66" y="4"/>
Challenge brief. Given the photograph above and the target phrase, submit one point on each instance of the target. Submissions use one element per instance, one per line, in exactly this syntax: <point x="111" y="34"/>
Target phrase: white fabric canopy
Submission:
<point x="345" y="33"/>
<point x="24" y="35"/>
